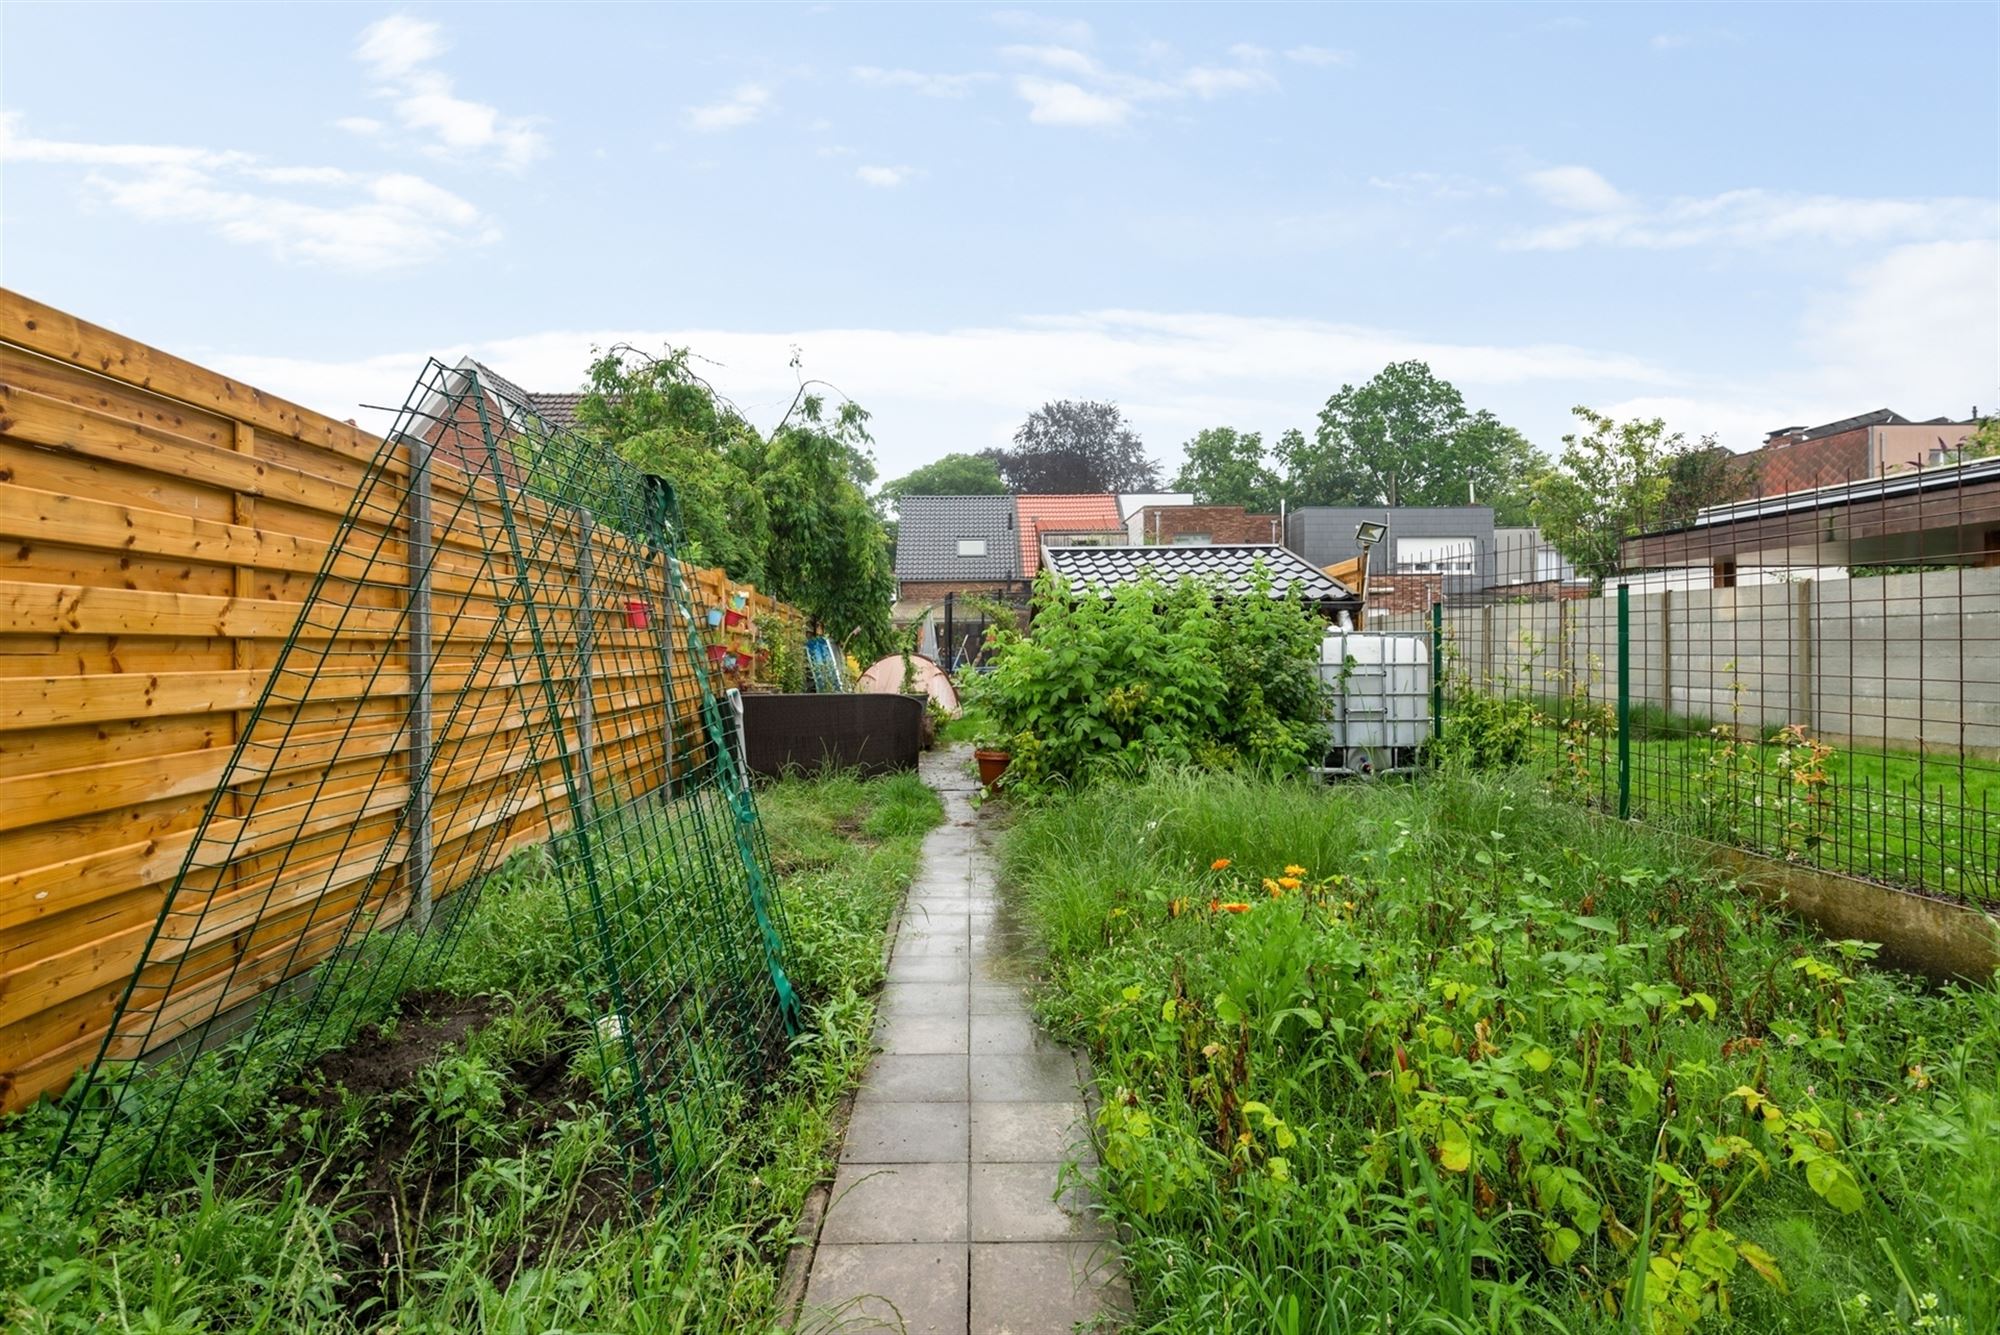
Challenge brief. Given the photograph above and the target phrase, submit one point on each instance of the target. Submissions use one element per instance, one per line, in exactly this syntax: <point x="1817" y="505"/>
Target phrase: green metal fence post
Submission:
<point x="1624" y="702"/>
<point x="1437" y="671"/>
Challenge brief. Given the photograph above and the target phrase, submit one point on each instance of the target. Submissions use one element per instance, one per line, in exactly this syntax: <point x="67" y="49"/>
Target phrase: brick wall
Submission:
<point x="1222" y="524"/>
<point x="1403" y="593"/>
<point x="934" y="590"/>
<point x="458" y="439"/>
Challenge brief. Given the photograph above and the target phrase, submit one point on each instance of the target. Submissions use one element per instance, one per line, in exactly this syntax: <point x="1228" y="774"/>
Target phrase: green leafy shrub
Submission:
<point x="1155" y="673"/>
<point x="1485" y="731"/>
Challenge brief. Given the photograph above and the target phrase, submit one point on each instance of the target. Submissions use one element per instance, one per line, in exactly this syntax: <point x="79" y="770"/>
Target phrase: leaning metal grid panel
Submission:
<point x="1813" y="676"/>
<point x="495" y="651"/>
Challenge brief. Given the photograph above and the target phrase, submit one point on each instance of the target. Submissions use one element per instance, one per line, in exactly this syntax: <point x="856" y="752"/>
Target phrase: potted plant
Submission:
<point x="991" y="748"/>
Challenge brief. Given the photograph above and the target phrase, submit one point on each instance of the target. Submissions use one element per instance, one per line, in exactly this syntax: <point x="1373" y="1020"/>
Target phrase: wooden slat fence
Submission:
<point x="160" y="528"/>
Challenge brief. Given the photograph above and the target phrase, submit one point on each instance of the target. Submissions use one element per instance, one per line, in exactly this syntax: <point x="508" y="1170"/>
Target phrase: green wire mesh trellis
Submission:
<point x="499" y="652"/>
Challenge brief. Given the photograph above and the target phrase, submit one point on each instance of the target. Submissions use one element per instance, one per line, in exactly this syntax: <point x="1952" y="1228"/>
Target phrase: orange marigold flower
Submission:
<point x="1290" y="882"/>
<point x="1233" y="907"/>
<point x="1295" y="869"/>
<point x="1214" y="906"/>
<point x="1277" y="891"/>
<point x="1218" y="864"/>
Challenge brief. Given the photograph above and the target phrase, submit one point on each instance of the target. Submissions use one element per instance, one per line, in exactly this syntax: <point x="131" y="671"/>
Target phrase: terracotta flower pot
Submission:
<point x="992" y="764"/>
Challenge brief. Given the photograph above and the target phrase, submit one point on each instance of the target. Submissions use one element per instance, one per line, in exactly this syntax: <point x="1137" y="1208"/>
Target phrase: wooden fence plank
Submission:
<point x="165" y="526"/>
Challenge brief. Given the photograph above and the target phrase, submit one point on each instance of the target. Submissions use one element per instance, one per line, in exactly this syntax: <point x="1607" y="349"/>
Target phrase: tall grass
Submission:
<point x="531" y="1226"/>
<point x="1480" y="1066"/>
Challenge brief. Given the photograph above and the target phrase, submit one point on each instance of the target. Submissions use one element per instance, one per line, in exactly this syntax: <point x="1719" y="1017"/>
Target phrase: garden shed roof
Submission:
<point x="1230" y="565"/>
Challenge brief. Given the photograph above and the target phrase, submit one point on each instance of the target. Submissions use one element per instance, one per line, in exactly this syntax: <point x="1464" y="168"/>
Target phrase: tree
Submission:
<point x="1074" y="446"/>
<point x="1225" y="466"/>
<point x="953" y="475"/>
<point x="829" y="555"/>
<point x="1610" y="482"/>
<point x="1983" y="443"/>
<point x="790" y="513"/>
<point x="1698" y="477"/>
<point x="1406" y="438"/>
<point x="661" y="416"/>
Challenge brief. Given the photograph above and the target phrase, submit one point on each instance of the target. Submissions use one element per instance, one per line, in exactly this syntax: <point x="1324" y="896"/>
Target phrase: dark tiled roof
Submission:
<point x="558" y="410"/>
<point x="499" y="384"/>
<point x="928" y="529"/>
<point x="1230" y="565"/>
<point x="1880" y="417"/>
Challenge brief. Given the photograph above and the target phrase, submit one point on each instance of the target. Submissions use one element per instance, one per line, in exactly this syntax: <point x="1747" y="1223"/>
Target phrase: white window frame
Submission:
<point x="972" y="547"/>
<point x="1192" y="540"/>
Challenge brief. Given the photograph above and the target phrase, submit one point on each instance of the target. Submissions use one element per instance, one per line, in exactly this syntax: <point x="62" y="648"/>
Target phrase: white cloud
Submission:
<point x="1090" y="94"/>
<point x="398" y="52"/>
<point x="886" y="178"/>
<point x="396" y="46"/>
<point x="1446" y="186"/>
<point x="1061" y="59"/>
<point x="1250" y="53"/>
<point x="746" y="103"/>
<point x="1577" y="188"/>
<point x="364" y="126"/>
<point x="1318" y="55"/>
<point x="314" y="215"/>
<point x="1923" y="319"/>
<point x="929" y="85"/>
<point x="1749" y="217"/>
<point x="1670" y="41"/>
<point x="1075" y="32"/>
<point x="1056" y="102"/>
<point x="1207" y="82"/>
<point x="1174" y="372"/>
<point x="1916" y="329"/>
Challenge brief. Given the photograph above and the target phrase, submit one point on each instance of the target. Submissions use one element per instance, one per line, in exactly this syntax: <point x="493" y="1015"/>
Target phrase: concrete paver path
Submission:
<point x="951" y="1212"/>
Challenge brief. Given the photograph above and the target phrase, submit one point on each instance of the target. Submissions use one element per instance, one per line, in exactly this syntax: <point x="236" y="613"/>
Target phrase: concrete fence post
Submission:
<point x="1486" y="646"/>
<point x="1802" y="654"/>
<point x="1666" y="652"/>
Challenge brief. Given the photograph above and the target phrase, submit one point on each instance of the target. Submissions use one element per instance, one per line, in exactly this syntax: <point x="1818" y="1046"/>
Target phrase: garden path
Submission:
<point x="952" y="1213"/>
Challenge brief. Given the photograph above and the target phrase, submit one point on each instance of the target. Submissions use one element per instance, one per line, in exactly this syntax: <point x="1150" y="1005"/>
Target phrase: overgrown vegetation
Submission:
<point x="1894" y="816"/>
<point x="787" y="510"/>
<point x="1455" y="1056"/>
<point x="1154" y="673"/>
<point x="454" y="1169"/>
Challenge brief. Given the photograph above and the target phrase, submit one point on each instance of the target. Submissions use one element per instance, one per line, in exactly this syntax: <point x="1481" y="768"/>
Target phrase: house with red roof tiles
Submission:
<point x="1091" y="519"/>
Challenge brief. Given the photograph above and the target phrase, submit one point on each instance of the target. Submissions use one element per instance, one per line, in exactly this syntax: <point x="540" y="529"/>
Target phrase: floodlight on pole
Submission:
<point x="1367" y="533"/>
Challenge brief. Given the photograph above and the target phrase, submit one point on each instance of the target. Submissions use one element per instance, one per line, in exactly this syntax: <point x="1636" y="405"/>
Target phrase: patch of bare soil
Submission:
<point x="391" y="1180"/>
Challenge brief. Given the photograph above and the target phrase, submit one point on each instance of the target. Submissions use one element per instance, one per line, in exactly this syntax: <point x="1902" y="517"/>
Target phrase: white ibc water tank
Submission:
<point x="1380" y="689"/>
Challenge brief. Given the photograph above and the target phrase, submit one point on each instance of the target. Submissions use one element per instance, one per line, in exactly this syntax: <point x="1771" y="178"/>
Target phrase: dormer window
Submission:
<point x="972" y="546"/>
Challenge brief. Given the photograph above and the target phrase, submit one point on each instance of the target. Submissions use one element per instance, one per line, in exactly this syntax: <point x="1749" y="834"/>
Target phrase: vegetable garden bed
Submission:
<point x="1458" y="1056"/>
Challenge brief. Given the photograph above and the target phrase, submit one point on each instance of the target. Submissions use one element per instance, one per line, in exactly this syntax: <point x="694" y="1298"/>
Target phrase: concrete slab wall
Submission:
<point x="1900" y="661"/>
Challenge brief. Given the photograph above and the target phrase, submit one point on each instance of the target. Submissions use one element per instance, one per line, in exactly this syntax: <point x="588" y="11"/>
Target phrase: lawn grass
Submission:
<point x="508" y="1201"/>
<point x="1896" y="816"/>
<point x="1486" y="1062"/>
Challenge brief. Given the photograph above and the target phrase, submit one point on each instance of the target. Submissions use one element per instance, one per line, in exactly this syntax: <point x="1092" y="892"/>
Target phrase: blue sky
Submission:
<point x="1735" y="217"/>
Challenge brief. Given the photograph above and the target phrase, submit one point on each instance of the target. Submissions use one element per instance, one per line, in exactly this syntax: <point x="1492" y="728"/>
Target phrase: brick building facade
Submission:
<point x="1213" y="525"/>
